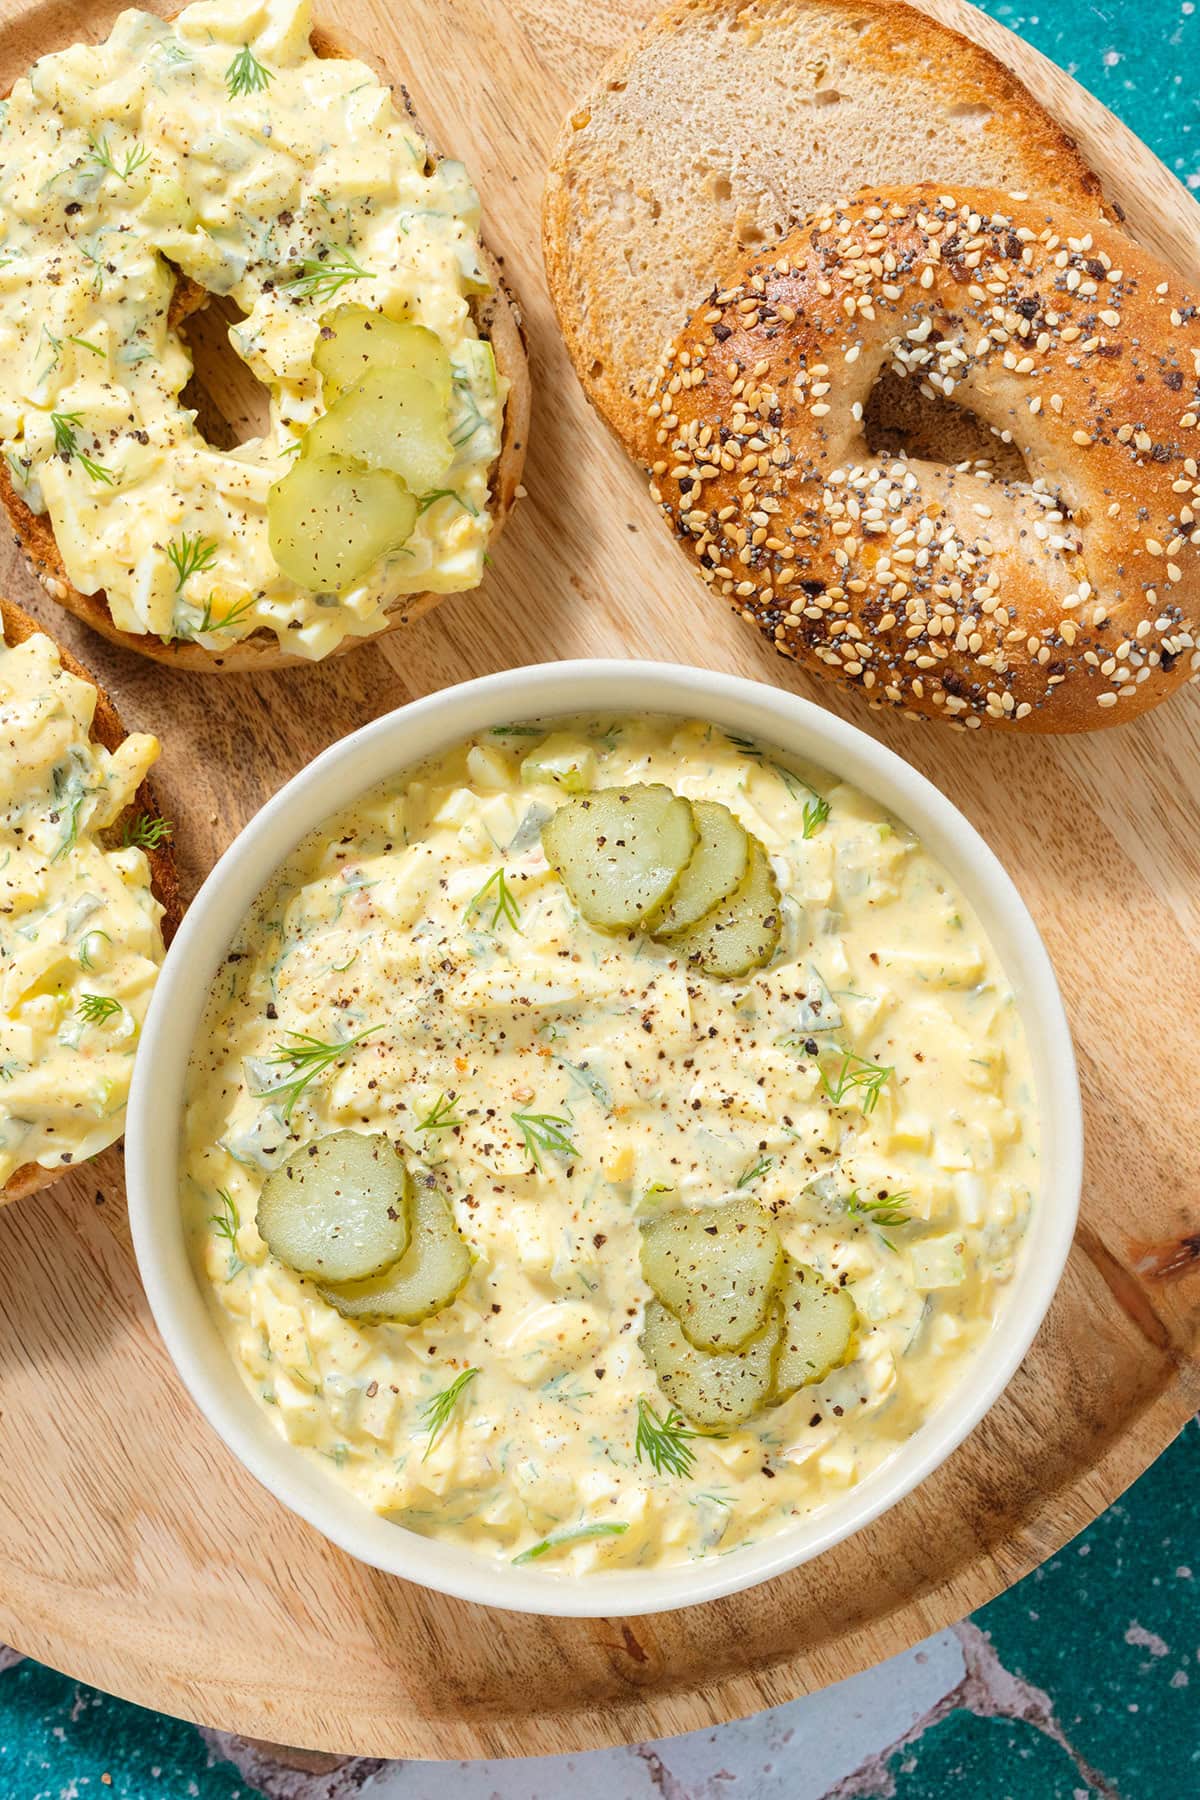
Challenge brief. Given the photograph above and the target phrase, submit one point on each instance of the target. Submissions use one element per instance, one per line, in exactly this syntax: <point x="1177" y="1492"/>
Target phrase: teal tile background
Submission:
<point x="1082" y="1683"/>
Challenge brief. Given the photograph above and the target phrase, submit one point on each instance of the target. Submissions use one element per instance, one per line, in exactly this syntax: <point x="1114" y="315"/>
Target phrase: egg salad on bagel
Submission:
<point x="237" y="151"/>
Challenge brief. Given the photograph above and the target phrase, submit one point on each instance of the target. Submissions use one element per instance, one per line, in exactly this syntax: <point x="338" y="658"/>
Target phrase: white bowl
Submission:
<point x="382" y="750"/>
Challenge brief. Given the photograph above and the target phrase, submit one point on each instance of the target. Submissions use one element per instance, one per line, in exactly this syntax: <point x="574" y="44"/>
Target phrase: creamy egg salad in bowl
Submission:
<point x="604" y="1133"/>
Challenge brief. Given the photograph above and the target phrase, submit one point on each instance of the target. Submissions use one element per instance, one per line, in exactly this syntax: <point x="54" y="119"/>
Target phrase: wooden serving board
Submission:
<point x="135" y="1554"/>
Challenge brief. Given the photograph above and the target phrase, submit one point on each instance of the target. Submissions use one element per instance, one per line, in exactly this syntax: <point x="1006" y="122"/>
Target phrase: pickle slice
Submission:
<point x="739" y="934"/>
<point x="715" y="1391"/>
<point x="716" y="1269"/>
<point x="425" y="1280"/>
<point x="818" y="1328"/>
<point x="621" y="851"/>
<point x="338" y="1208"/>
<point x="328" y="523"/>
<point x="392" y="419"/>
<point x="354" y="341"/>
<point x="717" y="869"/>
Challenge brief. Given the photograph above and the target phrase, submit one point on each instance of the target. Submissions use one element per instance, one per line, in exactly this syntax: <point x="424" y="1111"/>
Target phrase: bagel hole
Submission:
<point x="231" y="404"/>
<point x="898" y="417"/>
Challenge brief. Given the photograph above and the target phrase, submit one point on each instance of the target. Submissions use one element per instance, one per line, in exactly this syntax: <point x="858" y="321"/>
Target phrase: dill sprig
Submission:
<point x="496" y="893"/>
<point x="853" y="1072"/>
<point x="574" y="1536"/>
<point x="96" y="1008"/>
<point x="208" y="623"/>
<point x="323" y="276"/>
<point x="883" y="1209"/>
<point x="815" y="814"/>
<point x="191" y="556"/>
<point x="545" y="1131"/>
<point x="308" y="1057"/>
<point x="755" y="1171"/>
<point x="437" y="1412"/>
<point x="441" y="1116"/>
<point x="246" y="75"/>
<point x="148" y="832"/>
<point x="66" y="444"/>
<point x="662" y="1442"/>
<point x="425" y="501"/>
<point x="102" y="154"/>
<point x="227" y="1223"/>
<point x="85" y="955"/>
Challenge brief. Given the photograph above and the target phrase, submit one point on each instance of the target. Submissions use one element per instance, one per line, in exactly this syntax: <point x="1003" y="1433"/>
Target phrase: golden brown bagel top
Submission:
<point x="1061" y="603"/>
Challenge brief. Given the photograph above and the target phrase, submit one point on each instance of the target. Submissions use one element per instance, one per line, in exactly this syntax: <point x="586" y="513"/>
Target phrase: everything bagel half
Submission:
<point x="1063" y="597"/>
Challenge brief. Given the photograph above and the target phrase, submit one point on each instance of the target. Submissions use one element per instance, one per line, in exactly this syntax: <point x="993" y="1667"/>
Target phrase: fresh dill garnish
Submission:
<point x="190" y="556"/>
<point x="791" y="781"/>
<point x="883" y="1209"/>
<point x="147" y="832"/>
<point x="208" y="623"/>
<point x="323" y="276"/>
<point x="853" y="1072"/>
<point x="755" y="1171"/>
<point x="497" y="894"/>
<point x="425" y="501"/>
<point x="437" y="1412"/>
<point x="815" y="814"/>
<point x="308" y="1057"/>
<point x="227" y="1224"/>
<point x="246" y="75"/>
<point x="96" y="1008"/>
<point x="466" y="429"/>
<point x="574" y="1536"/>
<point x="441" y="1116"/>
<point x="66" y="444"/>
<point x="516" y="730"/>
<point x="545" y="1131"/>
<point x="72" y="809"/>
<point x="662" y="1442"/>
<point x="85" y="955"/>
<point x="101" y="154"/>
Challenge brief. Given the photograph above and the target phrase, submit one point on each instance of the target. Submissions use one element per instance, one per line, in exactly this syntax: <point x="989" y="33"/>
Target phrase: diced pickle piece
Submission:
<point x="818" y="1328"/>
<point x="714" y="1390"/>
<point x="740" y="934"/>
<point x="621" y="851"/>
<point x="330" y="523"/>
<point x="338" y="1208"/>
<point x="716" y="1269"/>
<point x="717" y="869"/>
<point x="425" y="1280"/>
<point x="562" y="761"/>
<point x="355" y="341"/>
<point x="392" y="419"/>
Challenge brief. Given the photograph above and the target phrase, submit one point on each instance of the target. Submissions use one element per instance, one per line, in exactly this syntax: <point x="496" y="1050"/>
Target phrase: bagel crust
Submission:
<point x="1063" y="602"/>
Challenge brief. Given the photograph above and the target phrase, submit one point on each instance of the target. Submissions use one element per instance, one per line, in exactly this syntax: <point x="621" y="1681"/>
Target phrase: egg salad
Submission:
<point x="608" y="1142"/>
<point x="80" y="944"/>
<point x="219" y="149"/>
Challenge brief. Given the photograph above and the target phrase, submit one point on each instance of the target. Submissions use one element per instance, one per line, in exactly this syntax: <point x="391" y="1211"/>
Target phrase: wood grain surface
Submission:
<point x="135" y="1554"/>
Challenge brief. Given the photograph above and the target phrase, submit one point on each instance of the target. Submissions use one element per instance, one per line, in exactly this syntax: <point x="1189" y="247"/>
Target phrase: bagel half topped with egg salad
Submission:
<point x="1060" y="595"/>
<point x="239" y="151"/>
<point x="88" y="898"/>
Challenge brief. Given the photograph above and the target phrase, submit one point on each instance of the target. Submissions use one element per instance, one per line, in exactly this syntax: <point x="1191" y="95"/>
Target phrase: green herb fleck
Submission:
<point x="496" y="893"/>
<point x="66" y="444"/>
<point x="85" y="955"/>
<point x="442" y="1116"/>
<point x="323" y="276"/>
<point x="855" y="1072"/>
<point x="437" y="1412"/>
<point x="148" y="832"/>
<point x="425" y="501"/>
<point x="102" y="155"/>
<point x="191" y="556"/>
<point x="308" y="1057"/>
<point x="96" y="1008"/>
<point x="815" y="814"/>
<point x="227" y="1224"/>
<point x="755" y="1171"/>
<point x="884" y="1209"/>
<point x="662" y="1442"/>
<point x="246" y="75"/>
<point x="545" y="1131"/>
<point x="575" y="1536"/>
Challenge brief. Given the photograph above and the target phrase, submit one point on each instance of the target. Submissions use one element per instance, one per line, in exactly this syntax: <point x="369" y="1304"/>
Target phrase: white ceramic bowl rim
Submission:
<point x="385" y="748"/>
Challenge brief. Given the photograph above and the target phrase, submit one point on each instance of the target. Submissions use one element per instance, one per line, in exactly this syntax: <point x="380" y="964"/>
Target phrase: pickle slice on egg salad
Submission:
<point x="354" y="259"/>
<point x="609" y="1140"/>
